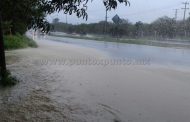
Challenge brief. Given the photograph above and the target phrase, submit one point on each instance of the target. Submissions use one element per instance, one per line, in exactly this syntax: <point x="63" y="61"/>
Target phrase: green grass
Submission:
<point x="128" y="41"/>
<point x="18" y="41"/>
<point x="108" y="39"/>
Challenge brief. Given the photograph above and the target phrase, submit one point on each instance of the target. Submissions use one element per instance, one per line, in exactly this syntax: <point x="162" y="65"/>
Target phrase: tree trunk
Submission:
<point x="2" y="52"/>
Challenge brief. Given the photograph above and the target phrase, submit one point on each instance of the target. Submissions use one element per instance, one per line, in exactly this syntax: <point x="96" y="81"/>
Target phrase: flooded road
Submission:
<point x="91" y="93"/>
<point x="161" y="56"/>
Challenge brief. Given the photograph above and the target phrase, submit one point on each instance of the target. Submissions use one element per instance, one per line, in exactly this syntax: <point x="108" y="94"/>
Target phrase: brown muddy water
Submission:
<point x="70" y="93"/>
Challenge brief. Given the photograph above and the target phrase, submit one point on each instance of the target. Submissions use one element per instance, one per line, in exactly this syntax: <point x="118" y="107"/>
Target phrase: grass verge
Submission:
<point x="18" y="41"/>
<point x="109" y="39"/>
<point x="128" y="41"/>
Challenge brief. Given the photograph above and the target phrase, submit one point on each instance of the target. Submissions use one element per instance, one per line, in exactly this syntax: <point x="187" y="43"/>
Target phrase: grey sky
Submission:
<point x="140" y="10"/>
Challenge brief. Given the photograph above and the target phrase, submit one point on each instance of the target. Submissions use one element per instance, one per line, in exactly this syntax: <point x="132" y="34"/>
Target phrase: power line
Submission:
<point x="185" y="9"/>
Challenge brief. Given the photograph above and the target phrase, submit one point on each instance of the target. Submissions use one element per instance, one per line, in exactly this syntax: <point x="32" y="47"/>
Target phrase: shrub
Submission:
<point x="18" y="41"/>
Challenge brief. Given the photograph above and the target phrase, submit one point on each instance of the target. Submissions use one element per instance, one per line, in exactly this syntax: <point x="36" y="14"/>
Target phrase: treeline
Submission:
<point x="162" y="28"/>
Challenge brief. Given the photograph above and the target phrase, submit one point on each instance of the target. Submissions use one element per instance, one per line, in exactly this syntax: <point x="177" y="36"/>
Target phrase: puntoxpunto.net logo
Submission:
<point x="93" y="62"/>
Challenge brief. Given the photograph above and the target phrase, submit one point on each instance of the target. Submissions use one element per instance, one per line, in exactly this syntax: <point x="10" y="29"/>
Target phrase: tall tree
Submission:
<point x="2" y="53"/>
<point x="32" y="13"/>
<point x="165" y="27"/>
<point x="139" y="29"/>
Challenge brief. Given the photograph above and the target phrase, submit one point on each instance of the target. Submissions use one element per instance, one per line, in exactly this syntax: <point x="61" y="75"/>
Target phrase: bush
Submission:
<point x="18" y="41"/>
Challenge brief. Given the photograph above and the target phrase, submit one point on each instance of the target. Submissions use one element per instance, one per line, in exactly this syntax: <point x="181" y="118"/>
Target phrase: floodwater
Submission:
<point x="59" y="93"/>
<point x="161" y="56"/>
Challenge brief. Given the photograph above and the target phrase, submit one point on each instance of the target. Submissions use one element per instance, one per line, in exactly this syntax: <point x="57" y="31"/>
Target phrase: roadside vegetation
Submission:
<point x="103" y="38"/>
<point x="18" y="41"/>
<point x="163" y="32"/>
<point x="162" y="29"/>
<point x="138" y="41"/>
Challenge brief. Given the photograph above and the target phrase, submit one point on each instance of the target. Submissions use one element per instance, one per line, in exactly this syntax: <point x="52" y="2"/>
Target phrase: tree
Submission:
<point x="20" y="15"/>
<point x="2" y="53"/>
<point x="31" y="14"/>
<point x="138" y="28"/>
<point x="25" y="14"/>
<point x="165" y="27"/>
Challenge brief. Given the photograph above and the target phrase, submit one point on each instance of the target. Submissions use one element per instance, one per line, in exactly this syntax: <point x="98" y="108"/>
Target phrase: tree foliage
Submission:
<point x="26" y="14"/>
<point x="165" y="26"/>
<point x="162" y="28"/>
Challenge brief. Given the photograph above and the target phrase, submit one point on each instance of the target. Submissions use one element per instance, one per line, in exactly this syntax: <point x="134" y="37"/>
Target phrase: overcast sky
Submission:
<point x="140" y="10"/>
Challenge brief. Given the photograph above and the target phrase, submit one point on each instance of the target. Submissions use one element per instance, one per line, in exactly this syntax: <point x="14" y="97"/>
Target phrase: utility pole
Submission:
<point x="176" y="13"/>
<point x="175" y="27"/>
<point x="185" y="9"/>
<point x="106" y="21"/>
<point x="66" y="18"/>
